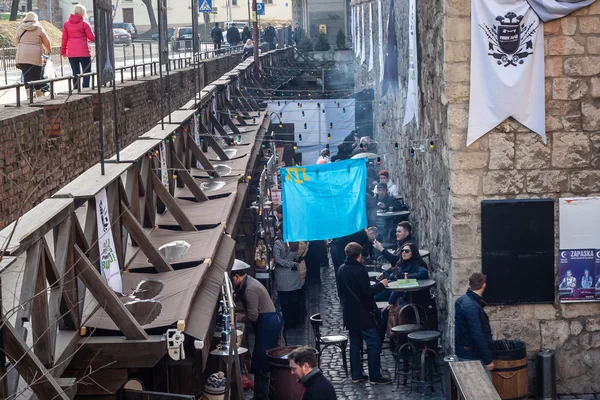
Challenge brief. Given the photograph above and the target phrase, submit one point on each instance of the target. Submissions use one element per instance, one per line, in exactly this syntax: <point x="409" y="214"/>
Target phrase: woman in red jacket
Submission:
<point x="75" y="36"/>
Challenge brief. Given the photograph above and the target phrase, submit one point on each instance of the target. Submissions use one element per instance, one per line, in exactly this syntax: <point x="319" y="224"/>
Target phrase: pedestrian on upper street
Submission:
<point x="32" y="40"/>
<point x="76" y="35"/>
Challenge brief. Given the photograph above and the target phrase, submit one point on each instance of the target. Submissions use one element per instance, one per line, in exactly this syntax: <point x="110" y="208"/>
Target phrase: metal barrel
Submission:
<point x="545" y="362"/>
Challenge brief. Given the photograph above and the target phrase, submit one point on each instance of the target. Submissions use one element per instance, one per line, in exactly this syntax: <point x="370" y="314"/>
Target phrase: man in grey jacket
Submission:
<point x="260" y="312"/>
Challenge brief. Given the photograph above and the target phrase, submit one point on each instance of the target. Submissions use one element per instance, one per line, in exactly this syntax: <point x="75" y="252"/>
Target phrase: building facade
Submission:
<point x="179" y="12"/>
<point x="445" y="186"/>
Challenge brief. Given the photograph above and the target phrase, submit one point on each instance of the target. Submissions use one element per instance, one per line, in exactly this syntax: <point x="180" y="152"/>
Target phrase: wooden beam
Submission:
<point x="64" y="299"/>
<point x="217" y="125"/>
<point x="149" y="212"/>
<point x="231" y="125"/>
<point x="29" y="366"/>
<point x="117" y="352"/>
<point x="107" y="298"/>
<point x="213" y="143"/>
<point x="30" y="275"/>
<point x="234" y="110"/>
<point x="40" y="322"/>
<point x="64" y="350"/>
<point x="203" y="160"/>
<point x="137" y="233"/>
<point x="188" y="180"/>
<point x="171" y="204"/>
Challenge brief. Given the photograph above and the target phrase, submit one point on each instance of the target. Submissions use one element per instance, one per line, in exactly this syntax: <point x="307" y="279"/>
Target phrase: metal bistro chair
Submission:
<point x="324" y="341"/>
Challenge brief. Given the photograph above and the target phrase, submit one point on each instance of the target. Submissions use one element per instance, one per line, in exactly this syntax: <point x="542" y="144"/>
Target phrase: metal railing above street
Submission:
<point x="132" y="72"/>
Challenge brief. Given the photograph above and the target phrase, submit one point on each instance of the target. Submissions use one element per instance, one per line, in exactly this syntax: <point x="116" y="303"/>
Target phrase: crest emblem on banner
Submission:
<point x="510" y="42"/>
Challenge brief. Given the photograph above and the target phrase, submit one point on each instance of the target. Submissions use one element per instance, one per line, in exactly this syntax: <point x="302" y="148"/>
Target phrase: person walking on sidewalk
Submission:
<point x="76" y="35"/>
<point x="361" y="316"/>
<point x="303" y="363"/>
<point x="31" y="42"/>
<point x="473" y="335"/>
<point x="217" y="36"/>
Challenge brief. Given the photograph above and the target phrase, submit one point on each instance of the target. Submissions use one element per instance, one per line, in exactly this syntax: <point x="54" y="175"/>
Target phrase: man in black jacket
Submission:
<point x="298" y="34"/>
<point x="473" y="334"/>
<point x="361" y="316"/>
<point x="217" y="36"/>
<point x="303" y="363"/>
<point x="233" y="35"/>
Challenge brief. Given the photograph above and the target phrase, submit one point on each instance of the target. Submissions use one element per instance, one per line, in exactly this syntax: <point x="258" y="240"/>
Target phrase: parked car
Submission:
<point x="129" y="27"/>
<point x="170" y="33"/>
<point x="182" y="38"/>
<point x="121" y="36"/>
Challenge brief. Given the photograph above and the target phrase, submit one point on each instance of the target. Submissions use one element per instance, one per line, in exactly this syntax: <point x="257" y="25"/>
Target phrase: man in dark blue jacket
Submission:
<point x="361" y="316"/>
<point x="473" y="334"/>
<point x="303" y="363"/>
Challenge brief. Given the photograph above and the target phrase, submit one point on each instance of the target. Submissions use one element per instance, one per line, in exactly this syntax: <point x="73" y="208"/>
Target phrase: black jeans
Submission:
<point x="217" y="45"/>
<point x="32" y="73"/>
<point x="79" y="64"/>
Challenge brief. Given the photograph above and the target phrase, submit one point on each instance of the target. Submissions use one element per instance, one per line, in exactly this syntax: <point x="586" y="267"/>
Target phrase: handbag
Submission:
<point x="375" y="316"/>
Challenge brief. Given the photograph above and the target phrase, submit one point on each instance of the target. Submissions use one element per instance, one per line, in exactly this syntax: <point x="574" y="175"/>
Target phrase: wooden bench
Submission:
<point x="469" y="381"/>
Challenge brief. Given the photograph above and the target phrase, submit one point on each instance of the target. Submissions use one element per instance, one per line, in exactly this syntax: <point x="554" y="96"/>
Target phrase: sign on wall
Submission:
<point x="579" y="254"/>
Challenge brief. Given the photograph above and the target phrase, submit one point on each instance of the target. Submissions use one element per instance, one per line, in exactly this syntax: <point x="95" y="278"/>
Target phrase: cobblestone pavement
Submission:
<point x="323" y="299"/>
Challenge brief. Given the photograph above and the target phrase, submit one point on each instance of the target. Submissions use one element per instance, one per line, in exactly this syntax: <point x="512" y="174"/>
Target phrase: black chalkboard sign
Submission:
<point x="517" y="245"/>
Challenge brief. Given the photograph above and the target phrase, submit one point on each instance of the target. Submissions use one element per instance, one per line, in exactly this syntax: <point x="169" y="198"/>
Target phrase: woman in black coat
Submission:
<point x="246" y="34"/>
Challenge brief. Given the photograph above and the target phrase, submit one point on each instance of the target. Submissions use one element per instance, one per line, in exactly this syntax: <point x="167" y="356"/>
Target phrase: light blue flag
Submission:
<point x="324" y="201"/>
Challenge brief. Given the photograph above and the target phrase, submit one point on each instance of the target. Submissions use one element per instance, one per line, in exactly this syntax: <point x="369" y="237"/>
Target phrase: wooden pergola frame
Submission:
<point x="55" y="280"/>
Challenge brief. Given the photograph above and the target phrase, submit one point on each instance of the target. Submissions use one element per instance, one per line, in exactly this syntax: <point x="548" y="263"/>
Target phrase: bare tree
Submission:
<point x="14" y="9"/>
<point x="151" y="16"/>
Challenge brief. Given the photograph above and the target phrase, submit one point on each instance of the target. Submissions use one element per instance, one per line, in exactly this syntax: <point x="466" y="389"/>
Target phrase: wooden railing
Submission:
<point x="62" y="257"/>
<point x="468" y="380"/>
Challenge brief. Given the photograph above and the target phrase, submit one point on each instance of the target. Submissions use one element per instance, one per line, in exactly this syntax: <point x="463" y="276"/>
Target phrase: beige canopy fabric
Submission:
<point x="203" y="245"/>
<point x="175" y="298"/>
<point x="211" y="187"/>
<point x="205" y="214"/>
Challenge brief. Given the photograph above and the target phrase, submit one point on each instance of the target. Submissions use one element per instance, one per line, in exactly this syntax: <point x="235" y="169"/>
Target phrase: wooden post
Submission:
<point x="171" y="204"/>
<point x="188" y="180"/>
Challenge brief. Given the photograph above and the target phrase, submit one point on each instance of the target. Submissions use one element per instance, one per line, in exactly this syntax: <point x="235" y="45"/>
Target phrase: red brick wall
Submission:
<point x="44" y="146"/>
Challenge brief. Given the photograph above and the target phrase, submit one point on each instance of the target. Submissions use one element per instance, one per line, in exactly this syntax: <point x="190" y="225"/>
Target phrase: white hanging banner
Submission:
<point x="380" y="41"/>
<point x="412" y="94"/>
<point x="353" y="29"/>
<point x="109" y="263"/>
<point x="164" y="172"/>
<point x="359" y="34"/>
<point x="370" y="36"/>
<point x="363" y="49"/>
<point x="507" y="67"/>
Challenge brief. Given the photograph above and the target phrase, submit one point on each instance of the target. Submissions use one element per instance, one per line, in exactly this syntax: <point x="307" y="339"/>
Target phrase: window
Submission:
<point x="234" y="2"/>
<point x="268" y="1"/>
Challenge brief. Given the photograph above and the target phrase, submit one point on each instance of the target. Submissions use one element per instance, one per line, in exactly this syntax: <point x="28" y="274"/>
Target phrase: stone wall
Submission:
<point x="46" y="145"/>
<point x="423" y="180"/>
<point x="512" y="162"/>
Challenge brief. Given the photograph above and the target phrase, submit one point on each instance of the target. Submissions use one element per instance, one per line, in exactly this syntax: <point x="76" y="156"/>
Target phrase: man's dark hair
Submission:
<point x="353" y="250"/>
<point x="304" y="355"/>
<point x="406" y="226"/>
<point x="241" y="272"/>
<point x="477" y="280"/>
<point x="216" y="24"/>
<point x="382" y="186"/>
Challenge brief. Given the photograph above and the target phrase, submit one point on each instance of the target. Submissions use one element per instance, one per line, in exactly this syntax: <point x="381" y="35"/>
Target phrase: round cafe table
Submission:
<point x="424" y="284"/>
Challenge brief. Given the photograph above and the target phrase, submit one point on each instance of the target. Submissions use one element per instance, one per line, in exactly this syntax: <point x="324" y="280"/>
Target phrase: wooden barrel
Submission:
<point x="510" y="375"/>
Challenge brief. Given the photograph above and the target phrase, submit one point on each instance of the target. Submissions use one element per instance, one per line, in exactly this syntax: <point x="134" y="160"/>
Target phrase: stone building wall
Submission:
<point x="423" y="180"/>
<point x="512" y="163"/>
<point x="53" y="141"/>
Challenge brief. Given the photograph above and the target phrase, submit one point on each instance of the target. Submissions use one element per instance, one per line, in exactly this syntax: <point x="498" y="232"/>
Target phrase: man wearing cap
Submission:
<point x="384" y="201"/>
<point x="384" y="177"/>
<point x="261" y="313"/>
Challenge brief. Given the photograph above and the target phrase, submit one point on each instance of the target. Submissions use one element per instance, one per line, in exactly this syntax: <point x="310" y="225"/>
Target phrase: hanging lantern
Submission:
<point x="344" y="110"/>
<point x="329" y="136"/>
<point x="295" y="146"/>
<point x="280" y="114"/>
<point x="318" y="105"/>
<point x="279" y="104"/>
<point x="305" y="125"/>
<point x="412" y="152"/>
<point x="303" y="113"/>
<point x="327" y="146"/>
<point x="378" y="160"/>
<point x="300" y="136"/>
<point x="431" y="145"/>
<point x="396" y="146"/>
<point x="331" y="125"/>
